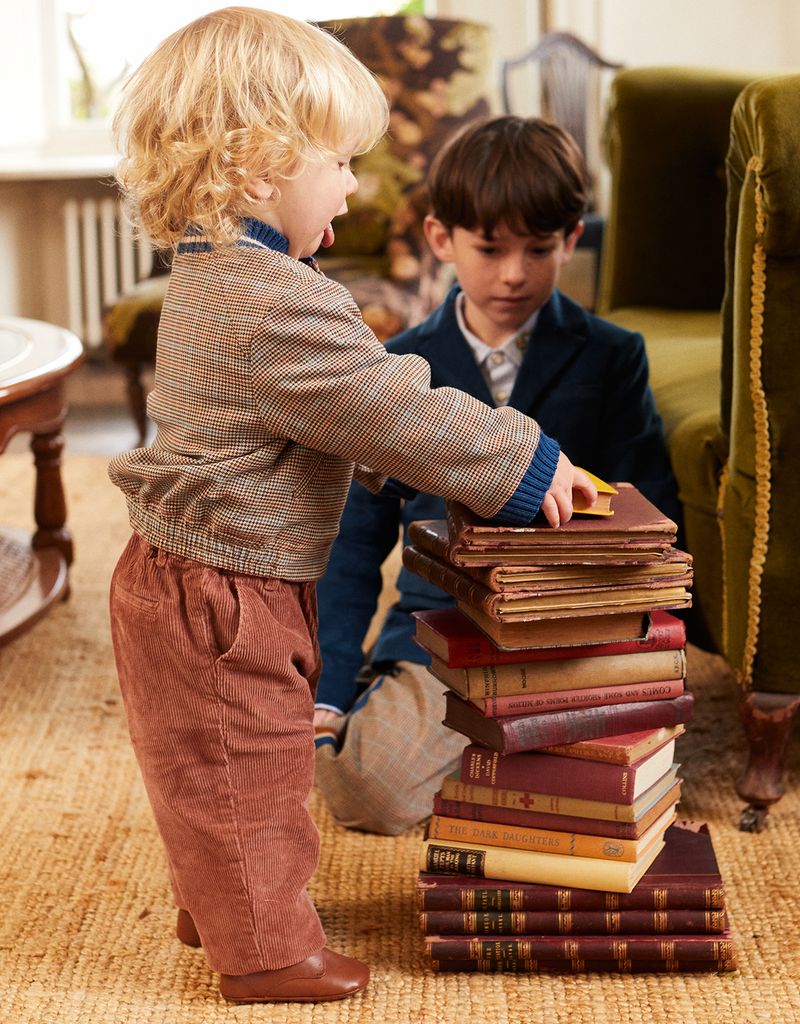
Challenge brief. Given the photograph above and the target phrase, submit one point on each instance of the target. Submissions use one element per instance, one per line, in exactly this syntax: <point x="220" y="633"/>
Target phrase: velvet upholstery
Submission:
<point x="761" y="381"/>
<point x="681" y="242"/>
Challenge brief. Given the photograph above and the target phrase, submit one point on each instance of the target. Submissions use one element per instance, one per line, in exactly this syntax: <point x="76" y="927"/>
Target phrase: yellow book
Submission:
<point x="602" y="507"/>
<point x="527" y="866"/>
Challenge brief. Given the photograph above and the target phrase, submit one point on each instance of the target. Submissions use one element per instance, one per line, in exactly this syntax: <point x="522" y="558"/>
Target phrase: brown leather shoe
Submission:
<point x="321" y="977"/>
<point x="186" y="930"/>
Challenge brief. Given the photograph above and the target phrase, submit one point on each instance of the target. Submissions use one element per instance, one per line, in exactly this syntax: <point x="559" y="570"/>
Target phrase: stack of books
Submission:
<point x="566" y="671"/>
<point x="674" y="920"/>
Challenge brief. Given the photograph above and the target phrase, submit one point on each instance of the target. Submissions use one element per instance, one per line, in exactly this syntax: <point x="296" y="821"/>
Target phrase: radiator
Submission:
<point x="104" y="261"/>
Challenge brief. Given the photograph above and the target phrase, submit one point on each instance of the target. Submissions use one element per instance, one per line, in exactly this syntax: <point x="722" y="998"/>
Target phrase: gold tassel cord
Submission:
<point x="762" y="439"/>
<point x="723" y="487"/>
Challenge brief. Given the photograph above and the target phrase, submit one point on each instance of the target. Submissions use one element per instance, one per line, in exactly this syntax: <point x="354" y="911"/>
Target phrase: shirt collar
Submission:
<point x="513" y="347"/>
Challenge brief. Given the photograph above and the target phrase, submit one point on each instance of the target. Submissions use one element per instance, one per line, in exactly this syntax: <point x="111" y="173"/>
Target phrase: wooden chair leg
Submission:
<point x="767" y="719"/>
<point x="136" y="400"/>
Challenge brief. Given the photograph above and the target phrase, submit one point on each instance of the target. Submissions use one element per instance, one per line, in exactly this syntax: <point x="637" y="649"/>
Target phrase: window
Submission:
<point x="101" y="41"/>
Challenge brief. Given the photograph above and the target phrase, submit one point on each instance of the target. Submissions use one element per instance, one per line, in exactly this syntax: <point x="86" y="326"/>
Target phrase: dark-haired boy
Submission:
<point x="507" y="196"/>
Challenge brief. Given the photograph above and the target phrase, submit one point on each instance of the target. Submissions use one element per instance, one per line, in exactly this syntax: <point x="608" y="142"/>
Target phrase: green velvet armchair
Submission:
<point x="703" y="256"/>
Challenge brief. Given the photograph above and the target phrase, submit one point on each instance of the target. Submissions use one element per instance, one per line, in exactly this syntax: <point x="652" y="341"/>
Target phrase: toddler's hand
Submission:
<point x="557" y="504"/>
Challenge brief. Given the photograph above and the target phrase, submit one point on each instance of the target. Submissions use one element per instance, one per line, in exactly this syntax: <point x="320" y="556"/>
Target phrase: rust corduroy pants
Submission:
<point x="218" y="672"/>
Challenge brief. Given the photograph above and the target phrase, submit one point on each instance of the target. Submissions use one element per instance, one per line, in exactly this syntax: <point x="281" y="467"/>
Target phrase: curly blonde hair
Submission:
<point x="236" y="94"/>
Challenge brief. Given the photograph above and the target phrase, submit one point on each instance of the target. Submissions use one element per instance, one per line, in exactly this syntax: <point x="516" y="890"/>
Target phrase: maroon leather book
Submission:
<point x="561" y="776"/>
<point x="684" y="876"/>
<point x="557" y="822"/>
<point x="635" y="525"/>
<point x="451" y="636"/>
<point x="518" y="965"/>
<point x="514" y="734"/>
<point x="470" y="924"/>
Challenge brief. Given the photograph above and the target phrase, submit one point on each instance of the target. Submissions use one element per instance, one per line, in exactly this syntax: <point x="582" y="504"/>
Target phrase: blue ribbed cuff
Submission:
<point x="526" y="501"/>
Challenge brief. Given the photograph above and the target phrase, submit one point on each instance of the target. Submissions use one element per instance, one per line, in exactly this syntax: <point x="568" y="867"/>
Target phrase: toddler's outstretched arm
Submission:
<point x="557" y="504"/>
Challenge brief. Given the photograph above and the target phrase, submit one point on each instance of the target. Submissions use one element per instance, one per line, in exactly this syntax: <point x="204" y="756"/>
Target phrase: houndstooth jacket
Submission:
<point x="270" y="392"/>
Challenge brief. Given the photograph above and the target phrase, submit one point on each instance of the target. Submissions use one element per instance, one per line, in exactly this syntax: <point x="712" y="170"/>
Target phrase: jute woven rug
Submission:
<point x="86" y="931"/>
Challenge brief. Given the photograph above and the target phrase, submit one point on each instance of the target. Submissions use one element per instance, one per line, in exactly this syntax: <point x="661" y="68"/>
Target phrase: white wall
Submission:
<point x="732" y="33"/>
<point x="22" y="110"/>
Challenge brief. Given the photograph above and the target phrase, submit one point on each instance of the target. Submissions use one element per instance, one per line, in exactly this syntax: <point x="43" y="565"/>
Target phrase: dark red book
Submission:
<point x="513" y="734"/>
<point x="684" y="876"/>
<point x="557" y="822"/>
<point x="541" y="966"/>
<point x="454" y="638"/>
<point x="565" y="776"/>
<point x="635" y="525"/>
<point x="548" y="928"/>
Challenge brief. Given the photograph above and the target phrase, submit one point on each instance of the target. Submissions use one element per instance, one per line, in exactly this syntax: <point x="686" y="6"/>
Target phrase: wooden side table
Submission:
<point x="35" y="359"/>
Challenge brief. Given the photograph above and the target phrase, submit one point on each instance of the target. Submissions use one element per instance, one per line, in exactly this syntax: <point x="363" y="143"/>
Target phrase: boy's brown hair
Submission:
<point x="524" y="172"/>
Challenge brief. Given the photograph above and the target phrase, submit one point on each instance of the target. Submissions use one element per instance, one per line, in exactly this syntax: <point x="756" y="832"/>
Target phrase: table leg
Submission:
<point x="50" y="507"/>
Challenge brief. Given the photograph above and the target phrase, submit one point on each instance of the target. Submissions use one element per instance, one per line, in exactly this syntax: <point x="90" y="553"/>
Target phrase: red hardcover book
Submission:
<point x="559" y="822"/>
<point x="684" y="876"/>
<point x="568" y="700"/>
<point x="518" y="966"/>
<point x="543" y="932"/>
<point x="559" y="776"/>
<point x="449" y="634"/>
<point x="513" y="734"/>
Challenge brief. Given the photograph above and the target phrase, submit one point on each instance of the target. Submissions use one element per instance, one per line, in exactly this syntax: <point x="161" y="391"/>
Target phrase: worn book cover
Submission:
<point x="514" y="734"/>
<point x="584" y="625"/>
<point x="550" y="773"/>
<point x="626" y="748"/>
<point x="532" y="800"/>
<point x="502" y="705"/>
<point x="524" y="601"/>
<point x="560" y="935"/>
<point x="502" y="815"/>
<point x="454" y="637"/>
<point x="589" y="676"/>
<point x="532" y="866"/>
<point x="545" y="840"/>
<point x="432" y="537"/>
<point x="635" y="521"/>
<point x="521" y="966"/>
<point x="684" y="876"/>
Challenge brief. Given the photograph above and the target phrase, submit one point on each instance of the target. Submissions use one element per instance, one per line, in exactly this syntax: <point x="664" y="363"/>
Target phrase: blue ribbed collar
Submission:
<point x="257" y="235"/>
<point x="256" y="231"/>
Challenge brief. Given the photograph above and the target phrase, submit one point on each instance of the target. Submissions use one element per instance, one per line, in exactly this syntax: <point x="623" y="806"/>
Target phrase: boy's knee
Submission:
<point x="359" y="796"/>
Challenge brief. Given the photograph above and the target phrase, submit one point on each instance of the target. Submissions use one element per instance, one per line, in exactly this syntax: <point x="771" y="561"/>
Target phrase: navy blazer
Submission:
<point x="583" y="379"/>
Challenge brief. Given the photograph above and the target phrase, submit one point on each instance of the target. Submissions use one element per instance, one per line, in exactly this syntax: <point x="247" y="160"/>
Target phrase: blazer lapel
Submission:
<point x="557" y="340"/>
<point x="449" y="355"/>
